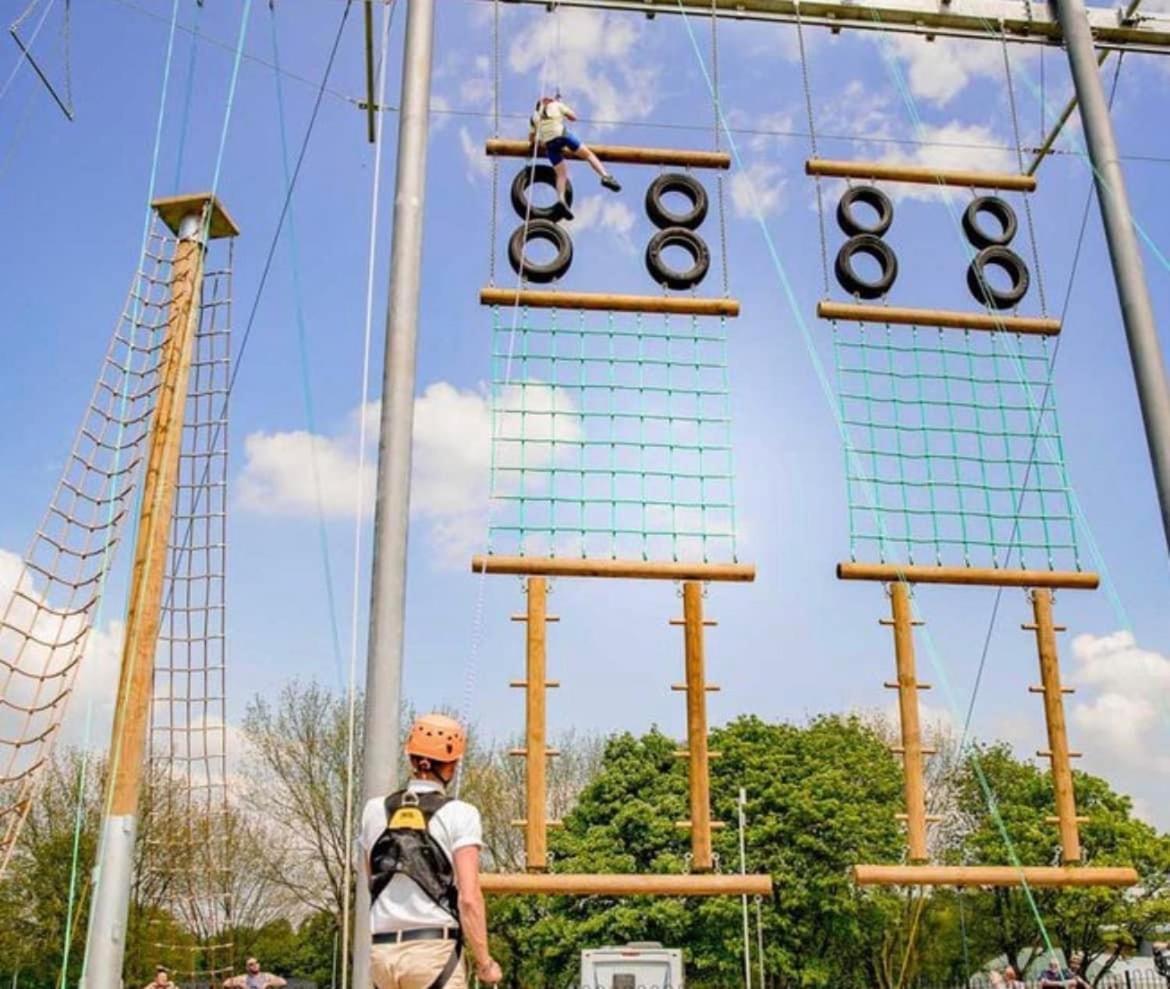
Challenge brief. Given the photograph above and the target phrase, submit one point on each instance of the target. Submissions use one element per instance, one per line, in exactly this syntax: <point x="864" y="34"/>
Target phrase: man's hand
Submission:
<point x="489" y="972"/>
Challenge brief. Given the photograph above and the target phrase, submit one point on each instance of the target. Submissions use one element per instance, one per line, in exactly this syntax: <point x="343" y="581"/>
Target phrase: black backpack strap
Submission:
<point x="452" y="963"/>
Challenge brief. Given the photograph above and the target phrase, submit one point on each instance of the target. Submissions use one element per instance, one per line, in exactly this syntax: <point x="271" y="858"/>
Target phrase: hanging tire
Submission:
<point x="540" y="274"/>
<point x="690" y="241"/>
<point x="877" y="249"/>
<point x="1009" y="261"/>
<point x="690" y="187"/>
<point x="537" y="175"/>
<point x="995" y="207"/>
<point x="871" y="196"/>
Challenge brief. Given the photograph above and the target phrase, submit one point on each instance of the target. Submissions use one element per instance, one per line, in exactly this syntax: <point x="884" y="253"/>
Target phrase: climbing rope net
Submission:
<point x="48" y="603"/>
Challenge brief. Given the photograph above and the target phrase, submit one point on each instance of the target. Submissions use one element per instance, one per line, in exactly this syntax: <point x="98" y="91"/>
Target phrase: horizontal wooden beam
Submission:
<point x="949" y="319"/>
<point x="683" y="305"/>
<point x="981" y="576"/>
<point x="992" y="875"/>
<point x="919" y="175"/>
<point x="575" y="884"/>
<point x="622" y="154"/>
<point x="568" y="566"/>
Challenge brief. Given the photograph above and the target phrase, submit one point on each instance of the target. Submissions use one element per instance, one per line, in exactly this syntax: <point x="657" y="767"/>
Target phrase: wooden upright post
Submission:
<point x="913" y="775"/>
<point x="702" y="859"/>
<point x="1058" y="751"/>
<point x="536" y="727"/>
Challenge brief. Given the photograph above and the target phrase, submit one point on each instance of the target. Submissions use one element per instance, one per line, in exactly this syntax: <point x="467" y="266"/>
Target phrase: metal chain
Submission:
<point x="492" y="226"/>
<point x="1007" y="68"/>
<point x="718" y="113"/>
<point x="812" y="138"/>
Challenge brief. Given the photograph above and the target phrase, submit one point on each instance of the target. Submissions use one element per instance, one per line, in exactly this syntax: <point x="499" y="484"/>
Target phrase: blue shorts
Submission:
<point x="555" y="149"/>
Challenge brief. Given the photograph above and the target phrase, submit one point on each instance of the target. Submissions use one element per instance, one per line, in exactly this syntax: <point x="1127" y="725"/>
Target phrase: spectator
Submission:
<point x="1055" y="977"/>
<point x="253" y="978"/>
<point x="1011" y="979"/>
<point x="1162" y="959"/>
<point x="161" y="978"/>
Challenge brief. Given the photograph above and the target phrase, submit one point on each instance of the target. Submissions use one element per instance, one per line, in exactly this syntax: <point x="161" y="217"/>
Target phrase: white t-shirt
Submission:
<point x="403" y="905"/>
<point x="548" y="121"/>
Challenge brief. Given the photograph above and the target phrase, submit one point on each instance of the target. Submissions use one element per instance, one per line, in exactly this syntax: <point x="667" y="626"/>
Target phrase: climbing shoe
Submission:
<point x="566" y="213"/>
<point x="611" y="183"/>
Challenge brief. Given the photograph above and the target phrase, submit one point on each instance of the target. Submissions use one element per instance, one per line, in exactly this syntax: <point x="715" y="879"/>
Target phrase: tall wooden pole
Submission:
<point x="106" y="941"/>
<point x="1058" y="751"/>
<point x="702" y="858"/>
<point x="536" y="727"/>
<point x="913" y="774"/>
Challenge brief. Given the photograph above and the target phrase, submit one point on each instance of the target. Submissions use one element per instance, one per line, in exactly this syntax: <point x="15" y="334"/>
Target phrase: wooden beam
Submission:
<point x="946" y="318"/>
<point x="913" y="772"/>
<point x="567" y="566"/>
<point x="172" y="210"/>
<point x="622" y="154"/>
<point x="536" y="727"/>
<point x="967" y="178"/>
<point x="683" y="305"/>
<point x="1058" y="753"/>
<point x="967" y="576"/>
<point x="992" y="875"/>
<point x="698" y="768"/>
<point x="576" y="884"/>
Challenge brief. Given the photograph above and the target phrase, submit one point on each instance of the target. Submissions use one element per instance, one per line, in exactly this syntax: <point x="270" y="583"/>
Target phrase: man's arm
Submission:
<point x="473" y="913"/>
<point x="274" y="981"/>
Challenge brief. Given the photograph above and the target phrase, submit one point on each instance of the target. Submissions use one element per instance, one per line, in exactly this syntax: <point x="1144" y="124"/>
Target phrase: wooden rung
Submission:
<point x="523" y="752"/>
<point x="568" y="566"/>
<point x="522" y="822"/>
<point x="894" y="685"/>
<point x="1047" y="754"/>
<point x="929" y="818"/>
<point x="967" y="178"/>
<point x="547" y="618"/>
<point x="709" y="622"/>
<point x="992" y="875"/>
<point x="890" y="621"/>
<point x="621" y="154"/>
<point x="711" y="688"/>
<point x="985" y="577"/>
<point x="549" y="684"/>
<point x="683" y="305"/>
<point x="551" y="884"/>
<point x="947" y="319"/>
<point x="1032" y="627"/>
<point x="1053" y="819"/>
<point x="925" y="750"/>
<point x="1039" y="690"/>
<point x="715" y="825"/>
<point x="686" y="754"/>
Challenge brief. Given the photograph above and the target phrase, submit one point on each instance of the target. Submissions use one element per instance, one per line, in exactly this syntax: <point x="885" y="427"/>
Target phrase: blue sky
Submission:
<point x="795" y="642"/>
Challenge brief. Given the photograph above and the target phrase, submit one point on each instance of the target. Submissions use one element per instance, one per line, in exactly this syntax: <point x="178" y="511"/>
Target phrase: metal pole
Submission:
<point x="1137" y="314"/>
<point x="392" y="505"/>
<point x="747" y="949"/>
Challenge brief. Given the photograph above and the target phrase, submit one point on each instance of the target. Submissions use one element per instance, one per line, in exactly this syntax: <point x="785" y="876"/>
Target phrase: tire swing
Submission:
<point x="662" y="216"/>
<point x="670" y="277"/>
<point x="550" y="271"/>
<point x="993" y="250"/>
<point x="529" y="176"/>
<point x="865" y="238"/>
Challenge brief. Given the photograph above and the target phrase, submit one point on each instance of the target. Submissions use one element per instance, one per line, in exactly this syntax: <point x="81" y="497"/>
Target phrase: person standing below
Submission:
<point x="420" y="856"/>
<point x="1055" y="977"/>
<point x="547" y="130"/>
<point x="253" y="978"/>
<point x="162" y="978"/>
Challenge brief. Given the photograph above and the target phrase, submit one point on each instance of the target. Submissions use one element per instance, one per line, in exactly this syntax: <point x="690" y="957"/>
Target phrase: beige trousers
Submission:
<point x="414" y="965"/>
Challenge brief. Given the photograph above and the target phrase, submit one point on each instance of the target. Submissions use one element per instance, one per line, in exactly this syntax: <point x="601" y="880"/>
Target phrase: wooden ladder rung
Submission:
<point x="551" y="753"/>
<point x="920" y="175"/>
<point x="621" y="154"/>
<point x="710" y="687"/>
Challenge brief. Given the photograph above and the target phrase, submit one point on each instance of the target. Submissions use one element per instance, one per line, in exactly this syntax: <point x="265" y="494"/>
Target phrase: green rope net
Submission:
<point x="954" y="453"/>
<point x="611" y="437"/>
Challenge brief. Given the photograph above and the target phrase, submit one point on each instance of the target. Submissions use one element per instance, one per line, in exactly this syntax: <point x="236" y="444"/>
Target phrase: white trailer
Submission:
<point x="639" y="965"/>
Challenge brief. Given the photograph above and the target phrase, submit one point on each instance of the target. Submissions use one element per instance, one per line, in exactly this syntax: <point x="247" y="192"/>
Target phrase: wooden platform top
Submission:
<point x="683" y="305"/>
<point x="945" y="318"/>
<point x="567" y="566"/>
<point x="621" y="154"/>
<point x="578" y="884"/>
<point x="919" y="175"/>
<point x="172" y="210"/>
<point x="914" y="573"/>
<point x="993" y="875"/>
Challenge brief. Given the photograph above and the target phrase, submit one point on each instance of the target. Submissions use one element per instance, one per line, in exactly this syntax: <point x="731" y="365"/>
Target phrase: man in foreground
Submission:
<point x="420" y="853"/>
<point x="253" y="978"/>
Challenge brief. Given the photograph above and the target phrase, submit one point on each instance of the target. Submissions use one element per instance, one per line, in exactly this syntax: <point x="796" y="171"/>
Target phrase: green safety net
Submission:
<point x="611" y="437"/>
<point x="954" y="453"/>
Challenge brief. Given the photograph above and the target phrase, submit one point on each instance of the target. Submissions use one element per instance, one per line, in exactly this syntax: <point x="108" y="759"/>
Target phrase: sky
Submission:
<point x="794" y="643"/>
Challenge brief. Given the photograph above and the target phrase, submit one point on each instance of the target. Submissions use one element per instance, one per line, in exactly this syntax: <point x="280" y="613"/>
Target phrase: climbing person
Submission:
<point x="547" y="130"/>
<point x="253" y="978"/>
<point x="162" y="977"/>
<point x="420" y="855"/>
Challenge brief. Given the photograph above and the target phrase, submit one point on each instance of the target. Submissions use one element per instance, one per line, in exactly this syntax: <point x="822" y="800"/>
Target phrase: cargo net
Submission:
<point x="48" y="600"/>
<point x="953" y="452"/>
<point x="188" y="831"/>
<point x="611" y="437"/>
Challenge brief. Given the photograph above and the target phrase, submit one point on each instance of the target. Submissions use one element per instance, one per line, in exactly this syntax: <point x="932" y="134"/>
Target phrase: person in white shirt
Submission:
<point x="547" y="130"/>
<point x="420" y="855"/>
<point x="253" y="978"/>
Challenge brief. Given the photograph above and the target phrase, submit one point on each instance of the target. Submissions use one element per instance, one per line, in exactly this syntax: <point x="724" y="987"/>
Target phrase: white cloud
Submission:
<point x="758" y="189"/>
<point x="593" y="58"/>
<point x="939" y="70"/>
<point x="604" y="213"/>
<point x="951" y="145"/>
<point x="479" y="166"/>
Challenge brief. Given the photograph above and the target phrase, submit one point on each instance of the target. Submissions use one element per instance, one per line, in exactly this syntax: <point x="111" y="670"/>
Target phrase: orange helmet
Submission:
<point x="435" y="736"/>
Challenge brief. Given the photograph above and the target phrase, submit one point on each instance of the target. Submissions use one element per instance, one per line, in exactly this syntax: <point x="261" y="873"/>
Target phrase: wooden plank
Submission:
<point x="918" y="175"/>
<point x="683" y="305"/>
<point x="567" y="566"/>
<point x="172" y="210"/>
<point x="945" y="318"/>
<point x="698" y="776"/>
<point x="979" y="576"/>
<point x="992" y="875"/>
<point x="621" y="154"/>
<point x="913" y="774"/>
<point x="536" y="727"/>
<point x="577" y="884"/>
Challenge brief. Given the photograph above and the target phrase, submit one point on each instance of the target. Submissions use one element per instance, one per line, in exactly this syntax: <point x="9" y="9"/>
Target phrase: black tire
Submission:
<point x="996" y="207"/>
<point x="877" y="249"/>
<point x="871" y="196"/>
<point x="539" y="174"/>
<point x="540" y="274"/>
<point x="690" y="187"/>
<point x="677" y="237"/>
<point x="1009" y="261"/>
